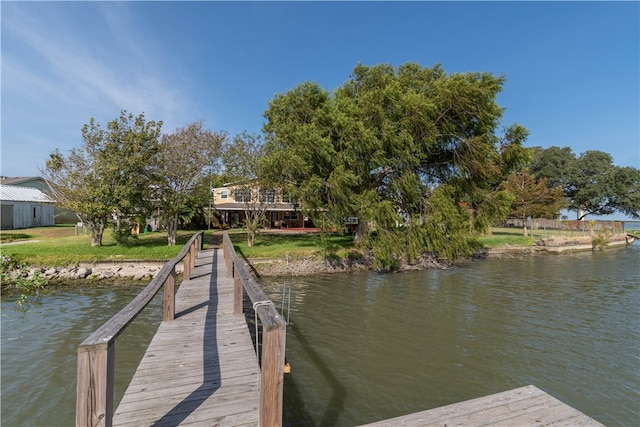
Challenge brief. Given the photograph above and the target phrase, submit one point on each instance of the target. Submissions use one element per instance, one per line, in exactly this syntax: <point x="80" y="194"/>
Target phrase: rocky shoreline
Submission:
<point x="142" y="271"/>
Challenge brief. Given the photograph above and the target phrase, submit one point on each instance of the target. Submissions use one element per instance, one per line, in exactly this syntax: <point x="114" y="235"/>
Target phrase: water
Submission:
<point x="40" y="341"/>
<point x="372" y="346"/>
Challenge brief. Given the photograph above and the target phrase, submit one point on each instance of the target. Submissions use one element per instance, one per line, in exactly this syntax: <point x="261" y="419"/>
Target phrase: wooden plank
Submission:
<point x="524" y="406"/>
<point x="201" y="367"/>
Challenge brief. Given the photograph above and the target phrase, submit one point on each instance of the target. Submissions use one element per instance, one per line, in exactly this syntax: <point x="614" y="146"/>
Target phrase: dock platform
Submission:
<point x="524" y="406"/>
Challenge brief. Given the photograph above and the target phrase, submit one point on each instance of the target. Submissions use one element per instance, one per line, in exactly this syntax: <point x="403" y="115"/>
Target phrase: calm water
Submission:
<point x="39" y="350"/>
<point x="372" y="346"/>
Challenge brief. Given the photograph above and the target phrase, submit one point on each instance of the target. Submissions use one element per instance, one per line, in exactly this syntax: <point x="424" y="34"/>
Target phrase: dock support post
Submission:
<point x="272" y="380"/>
<point x="95" y="387"/>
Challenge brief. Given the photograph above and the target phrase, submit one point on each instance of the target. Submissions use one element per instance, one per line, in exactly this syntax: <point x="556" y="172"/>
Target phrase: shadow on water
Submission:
<point x="335" y="405"/>
<point x="211" y="380"/>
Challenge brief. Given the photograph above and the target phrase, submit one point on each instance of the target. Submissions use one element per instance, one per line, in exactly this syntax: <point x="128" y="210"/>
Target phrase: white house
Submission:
<point x="25" y="207"/>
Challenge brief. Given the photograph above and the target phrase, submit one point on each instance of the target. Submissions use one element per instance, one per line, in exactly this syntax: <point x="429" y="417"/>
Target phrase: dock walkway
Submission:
<point x="200" y="368"/>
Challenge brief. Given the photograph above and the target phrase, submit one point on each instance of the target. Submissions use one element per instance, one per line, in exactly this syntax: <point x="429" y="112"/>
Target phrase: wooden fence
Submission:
<point x="578" y="227"/>
<point x="96" y="354"/>
<point x="273" y="336"/>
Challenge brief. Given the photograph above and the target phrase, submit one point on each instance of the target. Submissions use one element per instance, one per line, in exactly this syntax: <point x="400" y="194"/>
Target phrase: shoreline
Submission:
<point x="145" y="270"/>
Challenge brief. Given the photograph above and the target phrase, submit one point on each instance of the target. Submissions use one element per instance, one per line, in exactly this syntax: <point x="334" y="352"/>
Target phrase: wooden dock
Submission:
<point x="200" y="368"/>
<point x="525" y="406"/>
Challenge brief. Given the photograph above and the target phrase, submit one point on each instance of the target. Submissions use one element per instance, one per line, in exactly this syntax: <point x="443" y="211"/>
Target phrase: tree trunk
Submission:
<point x="360" y="233"/>
<point x="251" y="238"/>
<point x="172" y="231"/>
<point x="524" y="228"/>
<point x="96" y="234"/>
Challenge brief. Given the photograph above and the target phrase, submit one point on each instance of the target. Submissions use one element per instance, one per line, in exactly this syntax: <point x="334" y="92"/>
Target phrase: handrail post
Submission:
<point x="186" y="266"/>
<point x="170" y="296"/>
<point x="272" y="379"/>
<point x="237" y="294"/>
<point x="192" y="252"/>
<point x="95" y="386"/>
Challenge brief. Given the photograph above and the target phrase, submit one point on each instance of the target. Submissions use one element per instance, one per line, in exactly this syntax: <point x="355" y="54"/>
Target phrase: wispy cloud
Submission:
<point x="58" y="63"/>
<point x="64" y="63"/>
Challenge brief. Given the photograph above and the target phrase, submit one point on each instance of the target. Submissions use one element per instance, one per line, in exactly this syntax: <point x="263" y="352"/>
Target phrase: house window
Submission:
<point x="224" y="194"/>
<point x="267" y="196"/>
<point x="242" y="195"/>
<point x="286" y="198"/>
<point x="290" y="215"/>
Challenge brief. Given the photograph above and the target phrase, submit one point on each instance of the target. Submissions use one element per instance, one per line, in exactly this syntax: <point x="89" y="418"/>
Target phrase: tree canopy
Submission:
<point x="125" y="173"/>
<point x="241" y="160"/>
<point x="532" y="198"/>
<point x="592" y="184"/>
<point x="413" y="153"/>
<point x="108" y="176"/>
<point x="183" y="159"/>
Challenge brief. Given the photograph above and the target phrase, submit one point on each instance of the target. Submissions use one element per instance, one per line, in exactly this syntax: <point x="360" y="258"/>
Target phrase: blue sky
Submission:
<point x="571" y="68"/>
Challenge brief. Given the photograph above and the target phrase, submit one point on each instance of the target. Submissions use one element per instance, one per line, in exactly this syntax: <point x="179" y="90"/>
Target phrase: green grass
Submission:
<point x="505" y="236"/>
<point x="297" y="245"/>
<point x="59" y="246"/>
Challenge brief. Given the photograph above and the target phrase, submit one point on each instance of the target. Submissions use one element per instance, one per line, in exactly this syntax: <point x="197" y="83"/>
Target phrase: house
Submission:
<point x="25" y="207"/>
<point x="232" y="200"/>
<point x="62" y="216"/>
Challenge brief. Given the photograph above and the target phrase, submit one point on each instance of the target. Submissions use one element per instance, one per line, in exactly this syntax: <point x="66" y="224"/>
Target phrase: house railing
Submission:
<point x="273" y="336"/>
<point x="96" y="354"/>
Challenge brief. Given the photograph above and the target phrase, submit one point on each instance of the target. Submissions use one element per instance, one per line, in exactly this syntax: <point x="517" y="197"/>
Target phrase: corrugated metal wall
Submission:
<point x="27" y="215"/>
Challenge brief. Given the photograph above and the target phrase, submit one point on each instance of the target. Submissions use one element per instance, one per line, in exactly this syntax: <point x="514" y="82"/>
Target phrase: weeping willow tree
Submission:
<point x="414" y="153"/>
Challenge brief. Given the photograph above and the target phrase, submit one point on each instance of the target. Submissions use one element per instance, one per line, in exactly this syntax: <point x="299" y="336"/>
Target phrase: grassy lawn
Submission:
<point x="297" y="245"/>
<point x="58" y="246"/>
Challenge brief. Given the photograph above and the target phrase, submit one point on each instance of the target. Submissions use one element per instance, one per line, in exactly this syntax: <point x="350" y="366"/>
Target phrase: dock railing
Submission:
<point x="96" y="354"/>
<point x="273" y="336"/>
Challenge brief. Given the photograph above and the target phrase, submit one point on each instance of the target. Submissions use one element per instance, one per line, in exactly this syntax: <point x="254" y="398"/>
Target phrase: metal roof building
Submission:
<point x="25" y="207"/>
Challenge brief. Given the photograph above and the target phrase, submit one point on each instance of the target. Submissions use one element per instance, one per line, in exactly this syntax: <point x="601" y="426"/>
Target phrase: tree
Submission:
<point x="108" y="176"/>
<point x="592" y="184"/>
<point x="241" y="160"/>
<point x="185" y="157"/>
<point x="387" y="146"/>
<point x="532" y="198"/>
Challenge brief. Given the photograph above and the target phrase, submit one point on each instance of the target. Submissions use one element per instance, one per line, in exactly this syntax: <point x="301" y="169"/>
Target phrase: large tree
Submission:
<point x="241" y="159"/>
<point x="592" y="184"/>
<point x="397" y="148"/>
<point x="532" y="198"/>
<point x="108" y="177"/>
<point x="185" y="157"/>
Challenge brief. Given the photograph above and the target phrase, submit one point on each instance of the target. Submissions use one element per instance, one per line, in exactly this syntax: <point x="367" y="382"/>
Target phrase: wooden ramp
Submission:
<point x="200" y="368"/>
<point x="525" y="406"/>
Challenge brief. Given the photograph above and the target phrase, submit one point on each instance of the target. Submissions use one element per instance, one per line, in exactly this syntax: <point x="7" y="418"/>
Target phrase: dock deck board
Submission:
<point x="201" y="367"/>
<point x="524" y="406"/>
